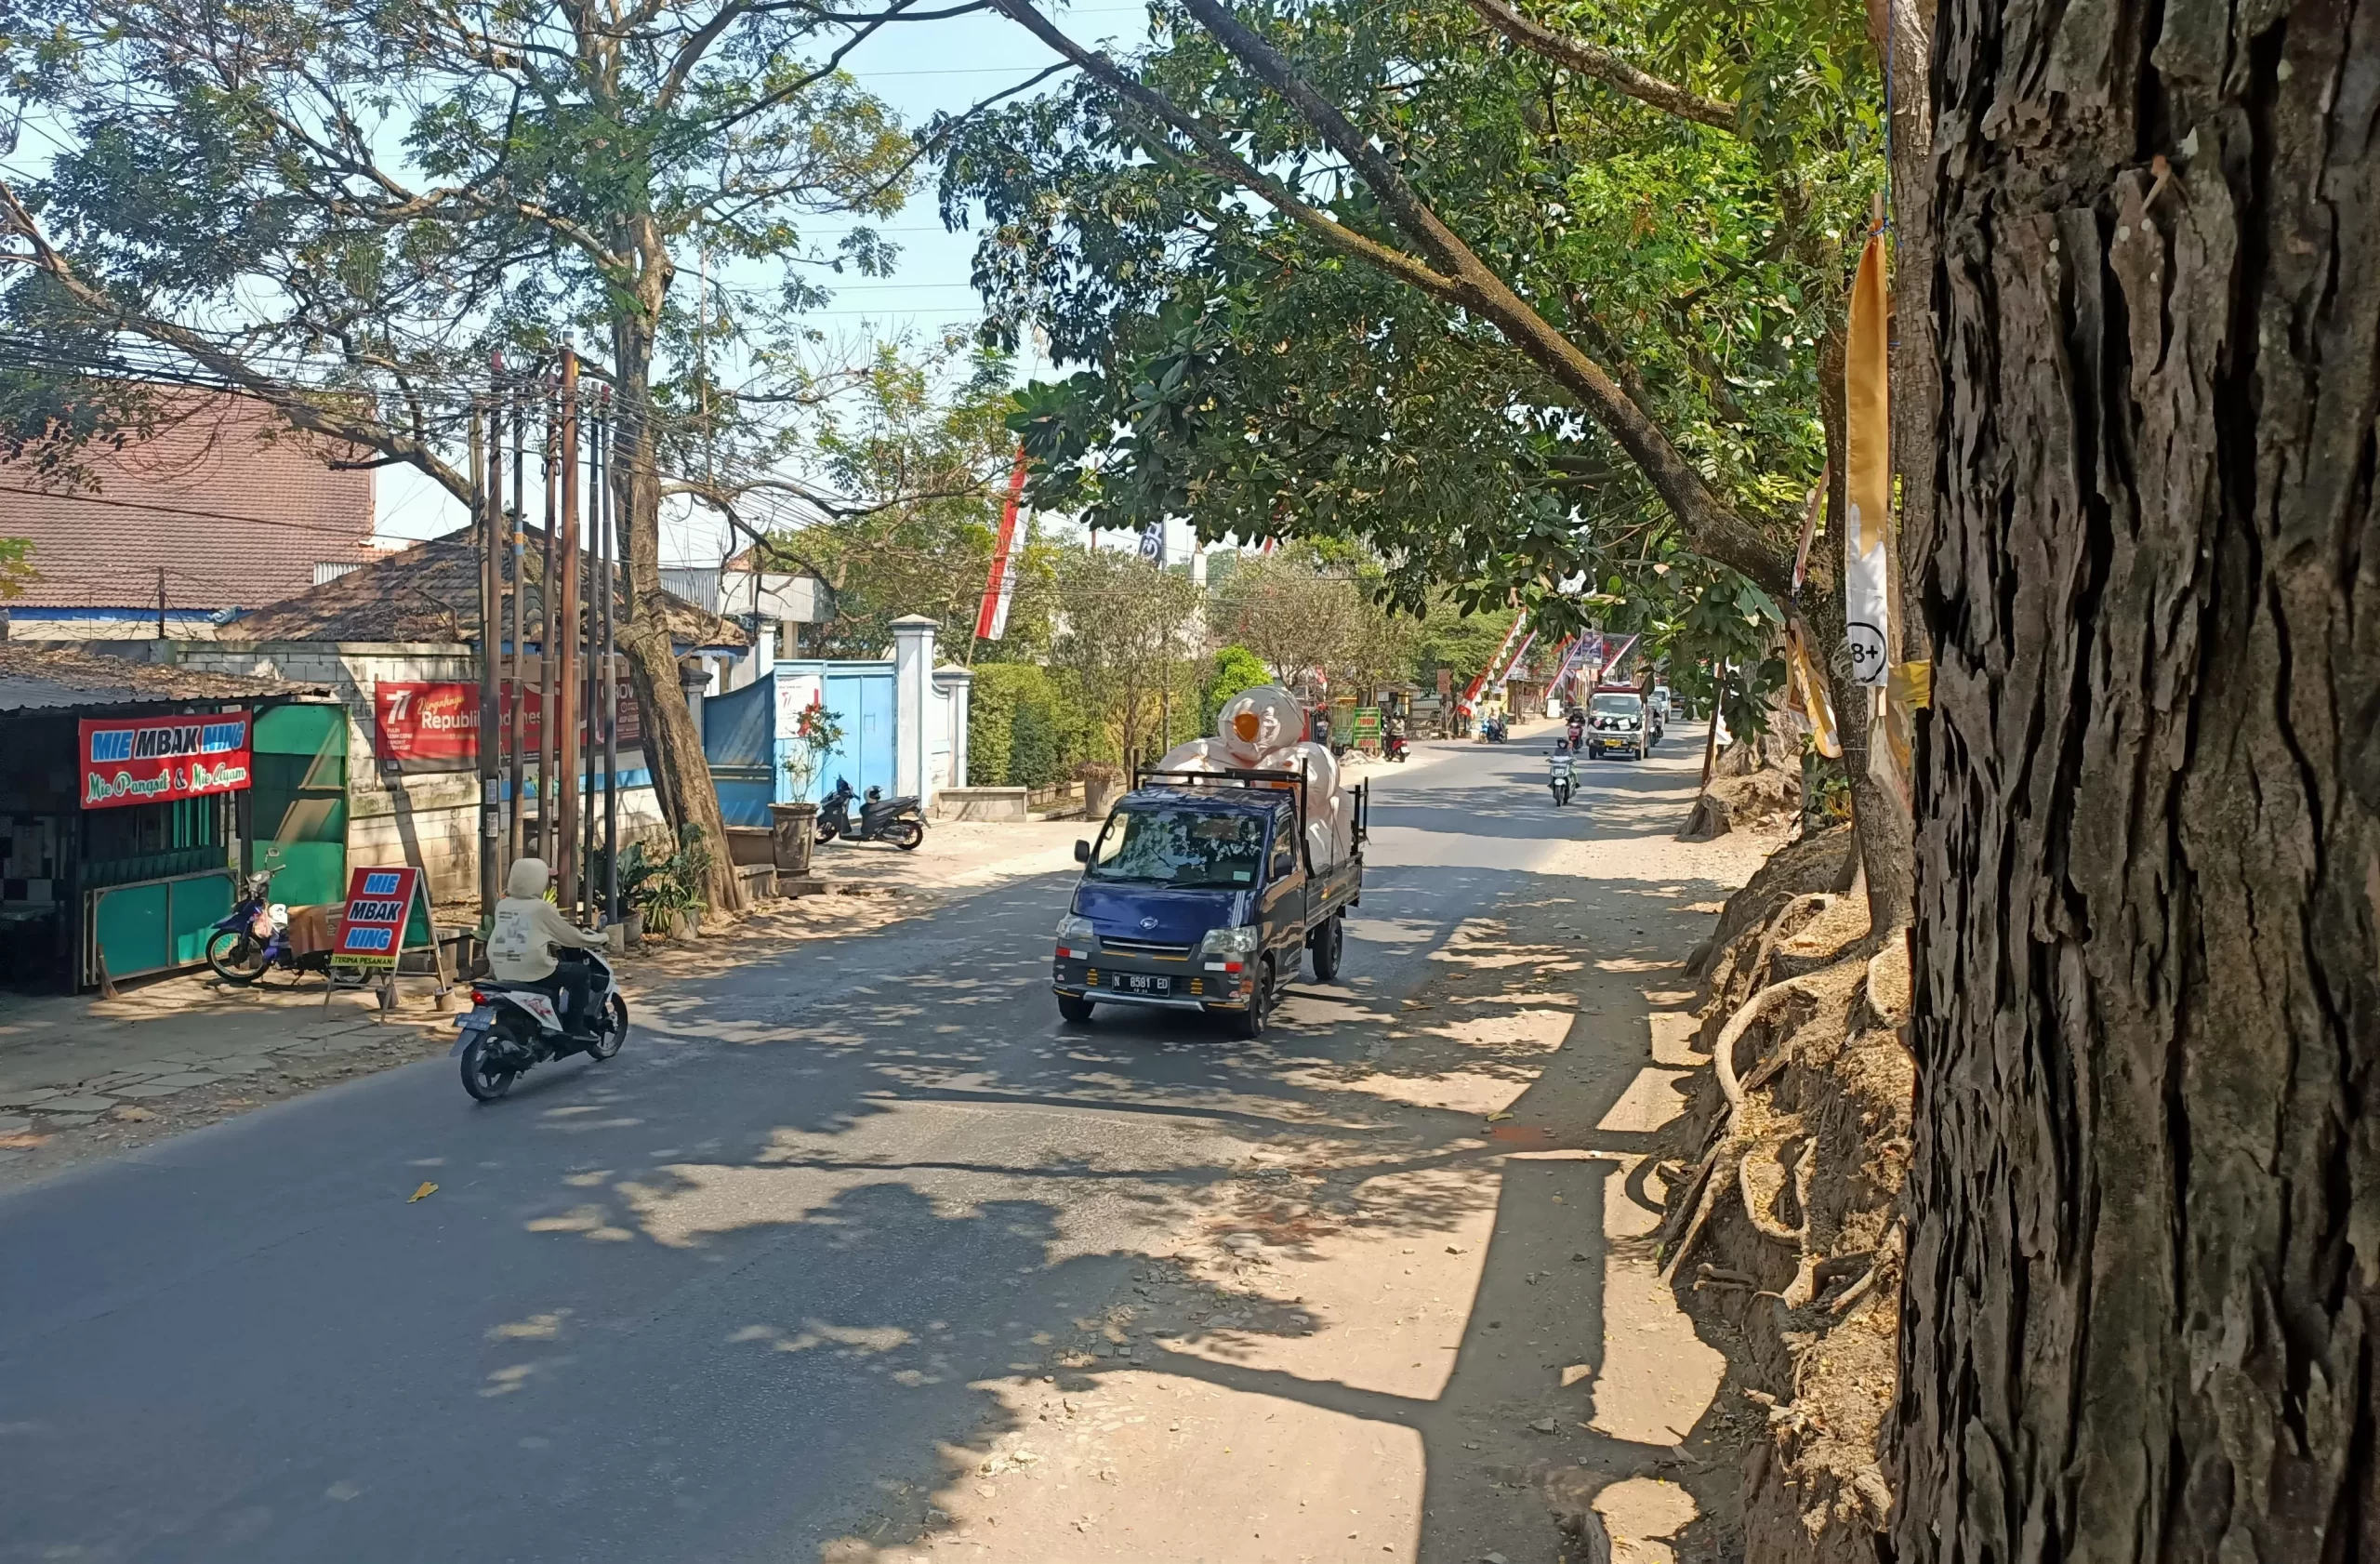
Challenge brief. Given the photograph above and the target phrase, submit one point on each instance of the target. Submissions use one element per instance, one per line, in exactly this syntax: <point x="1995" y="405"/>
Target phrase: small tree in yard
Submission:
<point x="1126" y="640"/>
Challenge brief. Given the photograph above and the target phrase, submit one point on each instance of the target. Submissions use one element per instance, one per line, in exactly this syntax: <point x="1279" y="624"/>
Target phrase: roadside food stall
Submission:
<point x="123" y="787"/>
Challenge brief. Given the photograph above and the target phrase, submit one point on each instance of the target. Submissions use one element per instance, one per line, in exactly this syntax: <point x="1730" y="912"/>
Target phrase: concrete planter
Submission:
<point x="793" y="831"/>
<point x="1102" y="786"/>
<point x="982" y="803"/>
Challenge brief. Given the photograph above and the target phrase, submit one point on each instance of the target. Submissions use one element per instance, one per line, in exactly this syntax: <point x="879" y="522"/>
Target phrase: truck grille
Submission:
<point x="1146" y="950"/>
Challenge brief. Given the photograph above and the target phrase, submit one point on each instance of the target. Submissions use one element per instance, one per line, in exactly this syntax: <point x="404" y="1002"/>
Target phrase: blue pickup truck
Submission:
<point x="1200" y="893"/>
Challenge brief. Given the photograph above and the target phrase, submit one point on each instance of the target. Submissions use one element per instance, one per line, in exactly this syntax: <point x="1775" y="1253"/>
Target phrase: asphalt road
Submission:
<point x="719" y="1299"/>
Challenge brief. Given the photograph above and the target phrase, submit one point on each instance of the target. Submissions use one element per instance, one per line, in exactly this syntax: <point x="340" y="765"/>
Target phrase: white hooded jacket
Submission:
<point x="528" y="928"/>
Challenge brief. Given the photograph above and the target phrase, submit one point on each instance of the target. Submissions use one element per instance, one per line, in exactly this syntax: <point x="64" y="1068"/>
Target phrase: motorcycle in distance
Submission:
<point x="253" y="939"/>
<point x="880" y="819"/>
<point x="1494" y="730"/>
<point x="1560" y="777"/>
<point x="1393" y="746"/>
<point x="514" y="1026"/>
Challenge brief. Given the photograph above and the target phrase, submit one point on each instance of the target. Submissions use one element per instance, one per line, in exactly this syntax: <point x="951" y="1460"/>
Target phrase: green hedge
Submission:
<point x="1236" y="668"/>
<point x="1024" y="727"/>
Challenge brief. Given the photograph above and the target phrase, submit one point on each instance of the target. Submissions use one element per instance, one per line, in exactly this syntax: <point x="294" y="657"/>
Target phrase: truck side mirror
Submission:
<point x="1082" y="851"/>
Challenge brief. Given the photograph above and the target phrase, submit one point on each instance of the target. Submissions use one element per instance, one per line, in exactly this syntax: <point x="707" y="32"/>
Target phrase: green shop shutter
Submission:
<point x="298" y="801"/>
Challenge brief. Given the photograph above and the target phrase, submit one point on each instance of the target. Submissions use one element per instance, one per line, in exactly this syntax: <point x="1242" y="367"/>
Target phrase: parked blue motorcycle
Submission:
<point x="255" y="938"/>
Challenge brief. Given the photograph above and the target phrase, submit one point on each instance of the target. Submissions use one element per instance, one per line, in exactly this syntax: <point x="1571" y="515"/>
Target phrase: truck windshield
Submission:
<point x="1615" y="706"/>
<point x="1184" y="847"/>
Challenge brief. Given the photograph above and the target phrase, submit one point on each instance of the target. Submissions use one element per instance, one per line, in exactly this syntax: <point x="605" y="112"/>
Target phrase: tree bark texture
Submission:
<point x="673" y="747"/>
<point x="2146" y="1192"/>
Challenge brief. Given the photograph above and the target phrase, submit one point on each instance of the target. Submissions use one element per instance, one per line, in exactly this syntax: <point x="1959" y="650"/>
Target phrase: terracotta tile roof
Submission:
<point x="432" y="592"/>
<point x="272" y="506"/>
<point x="36" y="678"/>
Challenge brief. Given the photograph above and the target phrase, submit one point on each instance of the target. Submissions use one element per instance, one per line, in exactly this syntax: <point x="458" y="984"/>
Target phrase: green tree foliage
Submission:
<point x="1025" y="726"/>
<point x="1242" y="371"/>
<point x="1231" y="669"/>
<point x="16" y="567"/>
<point x="1128" y="640"/>
<point x="346" y="209"/>
<point x="918" y="457"/>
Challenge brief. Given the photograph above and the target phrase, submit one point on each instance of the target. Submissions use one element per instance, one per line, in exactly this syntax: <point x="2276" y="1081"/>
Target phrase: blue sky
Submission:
<point x="919" y="69"/>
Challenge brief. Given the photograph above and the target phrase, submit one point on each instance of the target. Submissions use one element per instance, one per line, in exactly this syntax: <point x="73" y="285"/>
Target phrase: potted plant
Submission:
<point x="793" y="827"/>
<point x="667" y="892"/>
<point x="1102" y="785"/>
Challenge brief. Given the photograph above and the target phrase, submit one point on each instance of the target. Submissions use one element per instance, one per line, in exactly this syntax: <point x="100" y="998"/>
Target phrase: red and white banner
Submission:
<point x="1512" y="636"/>
<point x="1514" y="666"/>
<point x="435" y="726"/>
<point x="991" y="619"/>
<point x="159" y="760"/>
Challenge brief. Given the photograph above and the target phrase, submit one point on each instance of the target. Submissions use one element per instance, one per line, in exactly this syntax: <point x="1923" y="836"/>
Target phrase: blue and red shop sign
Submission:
<point x="160" y="760"/>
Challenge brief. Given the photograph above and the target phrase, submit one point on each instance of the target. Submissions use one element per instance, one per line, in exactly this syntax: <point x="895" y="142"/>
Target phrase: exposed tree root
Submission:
<point x="1806" y="1116"/>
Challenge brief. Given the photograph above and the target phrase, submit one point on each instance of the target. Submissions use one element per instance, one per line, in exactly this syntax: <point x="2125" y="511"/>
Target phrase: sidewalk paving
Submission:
<point x="82" y="1076"/>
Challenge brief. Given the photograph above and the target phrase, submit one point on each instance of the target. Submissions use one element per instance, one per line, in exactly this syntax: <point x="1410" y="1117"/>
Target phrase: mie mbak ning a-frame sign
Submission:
<point x="372" y="927"/>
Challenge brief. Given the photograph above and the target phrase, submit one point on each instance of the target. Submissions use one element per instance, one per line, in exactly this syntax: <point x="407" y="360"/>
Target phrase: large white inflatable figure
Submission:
<point x="1199" y="754"/>
<point x="1255" y="723"/>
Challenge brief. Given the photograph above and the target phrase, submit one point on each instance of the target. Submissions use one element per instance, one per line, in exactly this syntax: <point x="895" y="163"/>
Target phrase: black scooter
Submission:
<point x="513" y="1028"/>
<point x="880" y="819"/>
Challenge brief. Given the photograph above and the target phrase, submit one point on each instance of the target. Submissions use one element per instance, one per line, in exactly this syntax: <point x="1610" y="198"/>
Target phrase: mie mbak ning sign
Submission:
<point x="371" y="929"/>
<point x="156" y="760"/>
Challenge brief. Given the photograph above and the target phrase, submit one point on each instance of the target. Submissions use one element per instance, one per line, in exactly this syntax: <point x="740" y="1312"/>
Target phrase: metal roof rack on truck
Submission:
<point x="1236" y="774"/>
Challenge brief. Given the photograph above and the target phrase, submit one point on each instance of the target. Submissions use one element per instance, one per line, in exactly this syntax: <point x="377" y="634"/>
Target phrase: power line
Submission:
<point x="325" y="529"/>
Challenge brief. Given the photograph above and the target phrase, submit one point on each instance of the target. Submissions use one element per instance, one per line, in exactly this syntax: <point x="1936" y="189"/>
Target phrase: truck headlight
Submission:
<point x="1230" y="942"/>
<point x="1076" y="938"/>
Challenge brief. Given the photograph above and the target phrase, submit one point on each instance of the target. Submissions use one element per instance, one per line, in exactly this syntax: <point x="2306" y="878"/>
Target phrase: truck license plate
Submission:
<point x="1144" y="982"/>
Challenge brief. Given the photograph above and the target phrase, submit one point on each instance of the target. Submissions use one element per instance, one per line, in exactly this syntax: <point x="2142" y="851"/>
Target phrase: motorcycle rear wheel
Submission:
<point x="235" y="956"/>
<point x="907" y="835"/>
<point x="485" y="1082"/>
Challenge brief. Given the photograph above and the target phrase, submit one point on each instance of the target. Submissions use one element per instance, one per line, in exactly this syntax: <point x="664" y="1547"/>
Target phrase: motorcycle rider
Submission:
<point x="1576" y="722"/>
<point x="1395" y="734"/>
<point x="528" y="930"/>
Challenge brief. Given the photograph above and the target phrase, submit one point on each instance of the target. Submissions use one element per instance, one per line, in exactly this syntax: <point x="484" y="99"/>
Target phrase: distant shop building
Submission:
<point x="129" y="793"/>
<point x="221" y="508"/>
<point x="395" y="644"/>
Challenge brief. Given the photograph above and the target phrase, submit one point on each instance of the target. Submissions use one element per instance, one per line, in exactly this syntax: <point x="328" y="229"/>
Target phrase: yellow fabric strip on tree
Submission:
<point x="1868" y="468"/>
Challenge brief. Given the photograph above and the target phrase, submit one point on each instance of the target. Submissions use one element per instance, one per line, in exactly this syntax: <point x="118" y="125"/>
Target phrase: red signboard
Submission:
<point x="436" y="726"/>
<point x="158" y="759"/>
<point x="372" y="926"/>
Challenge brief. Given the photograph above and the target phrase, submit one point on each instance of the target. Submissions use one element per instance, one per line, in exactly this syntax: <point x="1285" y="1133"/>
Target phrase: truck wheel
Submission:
<point x="1074" y="1010"/>
<point x="1329" y="943"/>
<point x="1249" y="1025"/>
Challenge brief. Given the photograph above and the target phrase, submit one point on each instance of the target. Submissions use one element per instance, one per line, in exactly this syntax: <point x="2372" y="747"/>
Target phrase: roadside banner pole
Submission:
<point x="518" y="688"/>
<point x="565" y="721"/>
<point x="603" y="497"/>
<point x="486" y="496"/>
<point x="546" y="650"/>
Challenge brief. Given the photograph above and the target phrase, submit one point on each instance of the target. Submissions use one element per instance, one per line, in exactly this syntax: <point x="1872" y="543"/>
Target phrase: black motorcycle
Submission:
<point x="513" y="1027"/>
<point x="880" y="819"/>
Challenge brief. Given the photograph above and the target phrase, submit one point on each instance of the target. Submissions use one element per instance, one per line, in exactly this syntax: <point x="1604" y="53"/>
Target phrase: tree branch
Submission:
<point x="1590" y="60"/>
<point x="297" y="403"/>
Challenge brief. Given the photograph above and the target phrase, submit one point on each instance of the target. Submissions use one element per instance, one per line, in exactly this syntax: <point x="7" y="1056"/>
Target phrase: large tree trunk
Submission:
<point x="2141" y="1287"/>
<point x="673" y="748"/>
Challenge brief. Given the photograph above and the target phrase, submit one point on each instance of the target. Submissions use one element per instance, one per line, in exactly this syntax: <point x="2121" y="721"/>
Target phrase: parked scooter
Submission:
<point x="514" y="1026"/>
<point x="1560" y="774"/>
<point x="897" y="821"/>
<point x="255" y="938"/>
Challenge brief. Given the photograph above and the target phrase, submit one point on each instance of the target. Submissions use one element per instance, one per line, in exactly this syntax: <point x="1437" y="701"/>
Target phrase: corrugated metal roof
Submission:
<point x="432" y="592"/>
<point x="37" y="678"/>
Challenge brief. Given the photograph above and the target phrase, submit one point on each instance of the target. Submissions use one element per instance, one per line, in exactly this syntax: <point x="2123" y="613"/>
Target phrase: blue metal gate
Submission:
<point x="749" y="733"/>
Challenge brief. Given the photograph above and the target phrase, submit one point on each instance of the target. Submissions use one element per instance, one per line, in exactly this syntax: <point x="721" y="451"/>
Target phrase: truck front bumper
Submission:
<point x="1191" y="984"/>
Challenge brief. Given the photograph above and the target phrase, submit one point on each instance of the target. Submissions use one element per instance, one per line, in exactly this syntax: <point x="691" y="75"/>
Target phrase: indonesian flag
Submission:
<point x="1867" y="463"/>
<point x="999" y="590"/>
